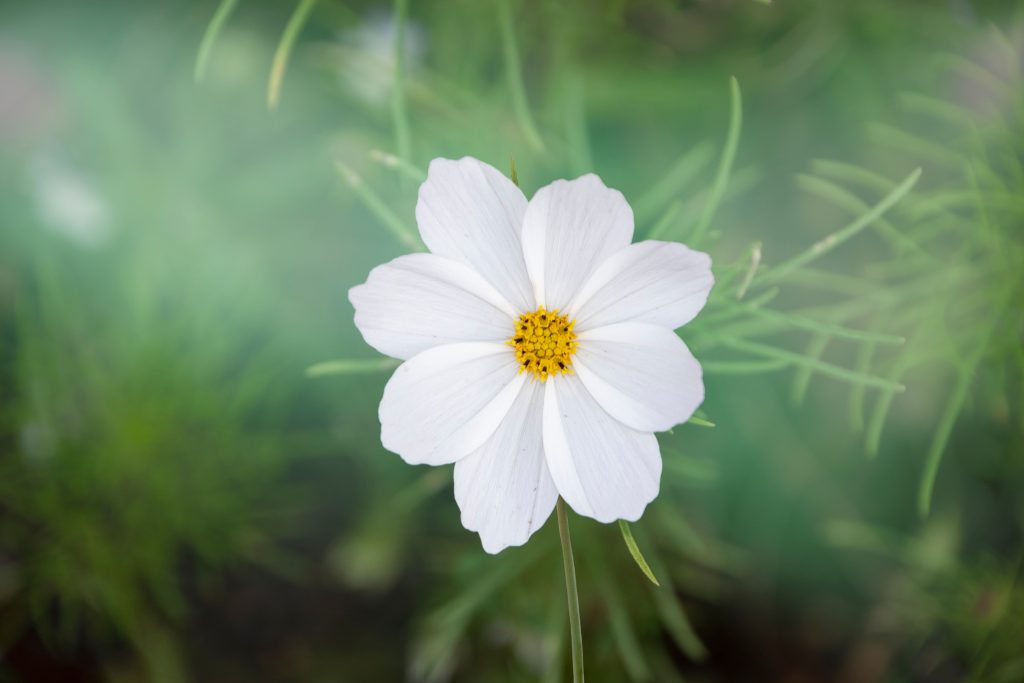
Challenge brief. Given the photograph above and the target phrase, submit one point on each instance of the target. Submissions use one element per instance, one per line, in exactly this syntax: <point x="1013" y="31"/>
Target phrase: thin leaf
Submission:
<point x="865" y="354"/>
<point x="673" y="181"/>
<point x="399" y="112"/>
<point x="674" y="618"/>
<point x="284" y="50"/>
<point x="755" y="261"/>
<point x="401" y="166"/>
<point x="815" y="349"/>
<point x="213" y="29"/>
<point x="743" y="367"/>
<point x="830" y="242"/>
<point x="825" y="328"/>
<point x="955" y="404"/>
<point x="824" y="368"/>
<point x="840" y="197"/>
<point x="377" y="207"/>
<point x="575" y="113"/>
<point x="634" y="550"/>
<point x="351" y="367"/>
<point x="666" y="221"/>
<point x="626" y="641"/>
<point x="725" y="164"/>
<point x="515" y="78"/>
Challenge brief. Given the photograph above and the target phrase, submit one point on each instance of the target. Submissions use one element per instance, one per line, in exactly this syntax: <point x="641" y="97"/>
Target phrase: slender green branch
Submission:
<point x="284" y="50"/>
<point x="824" y="368"/>
<point x="830" y="242"/>
<point x="955" y="404"/>
<point x="399" y="113"/>
<point x="351" y="366"/>
<point x="515" y="77"/>
<point x="575" y="632"/>
<point x="634" y="551"/>
<point x="725" y="164"/>
<point x="381" y="210"/>
<point x="399" y="165"/>
<point x="213" y="29"/>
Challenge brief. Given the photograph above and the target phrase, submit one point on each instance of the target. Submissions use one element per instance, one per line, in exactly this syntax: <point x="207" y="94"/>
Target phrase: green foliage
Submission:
<point x="153" y="405"/>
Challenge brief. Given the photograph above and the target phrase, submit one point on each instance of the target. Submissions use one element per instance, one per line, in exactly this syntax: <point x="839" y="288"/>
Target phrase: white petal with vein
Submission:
<point x="642" y="375"/>
<point x="570" y="227"/>
<point x="419" y="301"/>
<point x="503" y="488"/>
<point x="471" y="212"/>
<point x="602" y="468"/>
<point x="662" y="283"/>
<point x="444" y="403"/>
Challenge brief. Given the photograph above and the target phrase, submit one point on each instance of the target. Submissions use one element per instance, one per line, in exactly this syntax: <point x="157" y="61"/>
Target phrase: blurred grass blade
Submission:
<point x="284" y="50"/>
<point x="513" y="71"/>
<point x="865" y="355"/>
<point x="898" y="139"/>
<point x="626" y="640"/>
<point x="698" y="471"/>
<point x="830" y="242"/>
<point x="634" y="550"/>
<point x="824" y="368"/>
<point x="700" y="422"/>
<point x="846" y="200"/>
<point x="674" y="618"/>
<point x="884" y="402"/>
<point x="748" y="276"/>
<point x="743" y="367"/>
<point x="851" y="173"/>
<point x="402" y="166"/>
<point x="213" y="29"/>
<point x="575" y="112"/>
<point x="802" y="381"/>
<point x="683" y="172"/>
<point x="402" y="232"/>
<point x="399" y="112"/>
<point x="724" y="165"/>
<point x="956" y="402"/>
<point x="825" y="328"/>
<point x="351" y="367"/>
<point x="667" y="220"/>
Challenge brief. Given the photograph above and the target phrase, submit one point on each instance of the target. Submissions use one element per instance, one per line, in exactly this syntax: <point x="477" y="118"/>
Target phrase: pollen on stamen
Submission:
<point x="544" y="342"/>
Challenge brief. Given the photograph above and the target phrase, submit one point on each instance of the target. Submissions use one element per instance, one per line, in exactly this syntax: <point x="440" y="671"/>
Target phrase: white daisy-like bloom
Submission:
<point x="539" y="348"/>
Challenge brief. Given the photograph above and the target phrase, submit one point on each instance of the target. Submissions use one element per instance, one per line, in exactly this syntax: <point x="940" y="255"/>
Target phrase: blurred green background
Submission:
<point x="181" y="501"/>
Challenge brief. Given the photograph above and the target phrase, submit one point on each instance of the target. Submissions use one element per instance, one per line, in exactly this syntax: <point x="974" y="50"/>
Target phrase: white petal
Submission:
<point x="420" y="301"/>
<point x="663" y="283"/>
<point x="642" y="375"/>
<point x="471" y="212"/>
<point x="602" y="468"/>
<point x="570" y="227"/>
<point x="503" y="488"/>
<point x="444" y="403"/>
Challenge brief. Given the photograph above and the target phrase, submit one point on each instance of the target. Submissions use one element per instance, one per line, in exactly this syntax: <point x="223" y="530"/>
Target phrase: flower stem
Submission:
<point x="573" y="597"/>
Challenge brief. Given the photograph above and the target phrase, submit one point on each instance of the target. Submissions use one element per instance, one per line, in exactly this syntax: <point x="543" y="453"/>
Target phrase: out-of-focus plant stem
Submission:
<point x="575" y="634"/>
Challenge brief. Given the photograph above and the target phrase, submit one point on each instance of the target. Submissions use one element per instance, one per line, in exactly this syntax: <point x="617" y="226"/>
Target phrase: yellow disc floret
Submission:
<point x="544" y="342"/>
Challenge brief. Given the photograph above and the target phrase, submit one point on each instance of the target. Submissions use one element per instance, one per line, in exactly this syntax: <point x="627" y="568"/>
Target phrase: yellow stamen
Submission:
<point x="544" y="342"/>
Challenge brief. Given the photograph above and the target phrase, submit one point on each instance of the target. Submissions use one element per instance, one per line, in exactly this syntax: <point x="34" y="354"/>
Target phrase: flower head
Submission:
<point x="539" y="350"/>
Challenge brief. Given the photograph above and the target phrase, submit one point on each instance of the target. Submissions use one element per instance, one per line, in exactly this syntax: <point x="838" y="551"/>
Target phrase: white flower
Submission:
<point x="539" y="349"/>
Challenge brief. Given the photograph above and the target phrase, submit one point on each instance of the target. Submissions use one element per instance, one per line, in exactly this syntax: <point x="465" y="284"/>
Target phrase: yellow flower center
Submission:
<point x="544" y="342"/>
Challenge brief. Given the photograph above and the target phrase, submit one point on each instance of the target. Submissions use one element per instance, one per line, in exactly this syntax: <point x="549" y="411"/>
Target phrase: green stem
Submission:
<point x="570" y="589"/>
<point x="284" y="50"/>
<point x="399" y="113"/>
<point x="220" y="17"/>
<point x="512" y="69"/>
